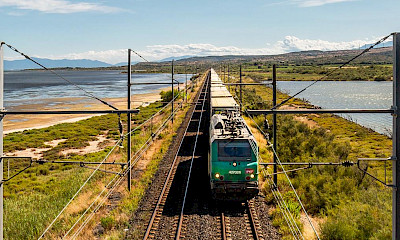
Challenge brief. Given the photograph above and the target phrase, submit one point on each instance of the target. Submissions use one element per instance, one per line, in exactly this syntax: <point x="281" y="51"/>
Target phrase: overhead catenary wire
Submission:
<point x="292" y="224"/>
<point x="284" y="171"/>
<point x="80" y="189"/>
<point x="138" y="55"/>
<point x="118" y="174"/>
<point x="95" y="170"/>
<point x="122" y="173"/>
<point x="333" y="70"/>
<point x="118" y="181"/>
<point x="44" y="161"/>
<point x="281" y="202"/>
<point x="89" y="94"/>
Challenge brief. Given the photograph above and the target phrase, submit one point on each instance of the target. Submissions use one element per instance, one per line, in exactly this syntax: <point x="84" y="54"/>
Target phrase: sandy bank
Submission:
<point x="14" y="123"/>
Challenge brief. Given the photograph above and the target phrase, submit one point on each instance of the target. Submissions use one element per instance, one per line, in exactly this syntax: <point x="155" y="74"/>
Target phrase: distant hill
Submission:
<point x="121" y="64"/>
<point x="386" y="44"/>
<point x="168" y="59"/>
<point x="375" y="56"/>
<point x="381" y="55"/>
<point x="49" y="63"/>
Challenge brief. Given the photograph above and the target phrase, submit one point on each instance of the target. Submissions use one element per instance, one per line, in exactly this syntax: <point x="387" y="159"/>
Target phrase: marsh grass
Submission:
<point x="293" y="72"/>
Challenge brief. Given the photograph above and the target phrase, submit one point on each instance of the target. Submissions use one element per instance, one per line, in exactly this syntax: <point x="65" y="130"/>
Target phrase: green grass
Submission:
<point x="372" y="72"/>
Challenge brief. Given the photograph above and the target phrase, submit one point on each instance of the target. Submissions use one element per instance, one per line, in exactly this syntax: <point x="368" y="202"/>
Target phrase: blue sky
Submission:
<point x="102" y="30"/>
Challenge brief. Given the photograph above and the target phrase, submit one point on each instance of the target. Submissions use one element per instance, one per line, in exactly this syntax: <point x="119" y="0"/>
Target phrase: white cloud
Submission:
<point x="315" y="3"/>
<point x="157" y="52"/>
<point x="56" y="6"/>
<point x="293" y="44"/>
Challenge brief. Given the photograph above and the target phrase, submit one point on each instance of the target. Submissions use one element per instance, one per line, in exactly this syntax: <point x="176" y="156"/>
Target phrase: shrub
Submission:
<point x="107" y="222"/>
<point x="166" y="96"/>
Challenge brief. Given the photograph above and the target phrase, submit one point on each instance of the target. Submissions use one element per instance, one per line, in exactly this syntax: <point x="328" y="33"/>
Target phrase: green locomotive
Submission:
<point x="233" y="157"/>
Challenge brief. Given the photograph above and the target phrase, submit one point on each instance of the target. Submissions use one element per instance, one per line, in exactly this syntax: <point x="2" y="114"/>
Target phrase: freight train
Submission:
<point x="233" y="155"/>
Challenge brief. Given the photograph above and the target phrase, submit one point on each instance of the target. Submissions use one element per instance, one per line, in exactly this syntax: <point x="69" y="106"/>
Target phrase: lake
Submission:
<point x="348" y="95"/>
<point x="23" y="86"/>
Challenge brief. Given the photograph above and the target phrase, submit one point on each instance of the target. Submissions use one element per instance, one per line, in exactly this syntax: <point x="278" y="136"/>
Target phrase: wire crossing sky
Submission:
<point x="157" y="29"/>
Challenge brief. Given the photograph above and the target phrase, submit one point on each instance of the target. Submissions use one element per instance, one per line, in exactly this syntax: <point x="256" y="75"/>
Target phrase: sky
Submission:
<point x="104" y="29"/>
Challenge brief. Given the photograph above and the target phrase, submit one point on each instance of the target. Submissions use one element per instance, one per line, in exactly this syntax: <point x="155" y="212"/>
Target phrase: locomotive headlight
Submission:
<point x="252" y="175"/>
<point x="234" y="164"/>
<point x="217" y="175"/>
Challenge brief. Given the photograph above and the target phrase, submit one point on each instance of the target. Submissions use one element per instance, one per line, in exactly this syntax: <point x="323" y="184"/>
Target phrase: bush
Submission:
<point x="107" y="222"/>
<point x="363" y="217"/>
<point x="166" y="96"/>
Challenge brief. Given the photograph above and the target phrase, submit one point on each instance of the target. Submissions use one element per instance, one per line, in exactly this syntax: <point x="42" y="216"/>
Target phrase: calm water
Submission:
<point x="348" y="95"/>
<point x="35" y="85"/>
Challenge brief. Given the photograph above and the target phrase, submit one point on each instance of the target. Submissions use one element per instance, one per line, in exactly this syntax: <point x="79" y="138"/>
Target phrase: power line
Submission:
<point x="280" y="163"/>
<point x="97" y="168"/>
<point x="89" y="94"/>
<point x="122" y="173"/>
<point x="334" y="70"/>
<point x="139" y="55"/>
<point x="80" y="189"/>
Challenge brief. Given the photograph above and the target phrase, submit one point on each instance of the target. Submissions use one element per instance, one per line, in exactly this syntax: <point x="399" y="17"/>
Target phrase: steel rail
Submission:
<point x="179" y="228"/>
<point x="153" y="216"/>
<point x="117" y="181"/>
<point x="252" y="220"/>
<point x="223" y="227"/>
<point x="121" y="175"/>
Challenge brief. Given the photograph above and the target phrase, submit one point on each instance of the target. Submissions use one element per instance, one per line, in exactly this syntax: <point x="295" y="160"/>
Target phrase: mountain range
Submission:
<point x="50" y="63"/>
<point x="382" y="54"/>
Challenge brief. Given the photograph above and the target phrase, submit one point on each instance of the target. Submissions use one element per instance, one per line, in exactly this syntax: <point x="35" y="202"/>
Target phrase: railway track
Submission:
<point x="240" y="213"/>
<point x="175" y="208"/>
<point x="167" y="219"/>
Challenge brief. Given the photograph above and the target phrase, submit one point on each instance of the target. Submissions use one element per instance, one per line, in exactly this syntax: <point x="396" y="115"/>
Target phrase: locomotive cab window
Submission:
<point x="239" y="150"/>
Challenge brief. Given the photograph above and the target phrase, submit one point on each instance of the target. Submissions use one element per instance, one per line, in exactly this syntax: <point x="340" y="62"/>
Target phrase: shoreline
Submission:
<point x="18" y="123"/>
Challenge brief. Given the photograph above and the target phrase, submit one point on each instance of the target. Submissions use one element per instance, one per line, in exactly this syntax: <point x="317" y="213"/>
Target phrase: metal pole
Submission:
<point x="129" y="175"/>
<point x="224" y="73"/>
<point x="274" y="135"/>
<point x="186" y="97"/>
<point x="240" y="86"/>
<point x="172" y="89"/>
<point x="1" y="138"/>
<point x="229" y="88"/>
<point x="395" y="138"/>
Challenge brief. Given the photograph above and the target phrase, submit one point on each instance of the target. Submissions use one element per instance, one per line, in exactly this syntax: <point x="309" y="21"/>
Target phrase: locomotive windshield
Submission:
<point x="234" y="150"/>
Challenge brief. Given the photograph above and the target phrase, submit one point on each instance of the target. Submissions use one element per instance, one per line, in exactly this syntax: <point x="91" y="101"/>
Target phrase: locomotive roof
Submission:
<point x="221" y="130"/>
<point x="222" y="99"/>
